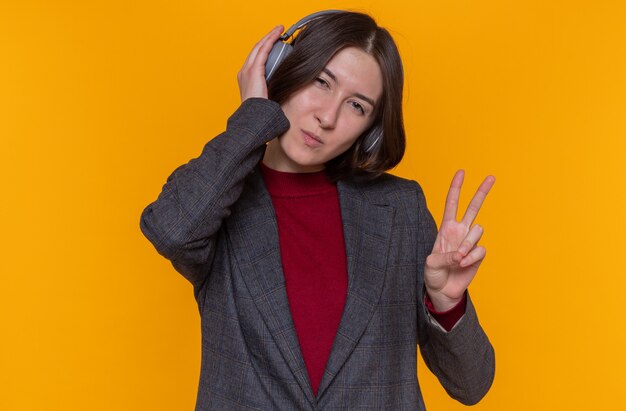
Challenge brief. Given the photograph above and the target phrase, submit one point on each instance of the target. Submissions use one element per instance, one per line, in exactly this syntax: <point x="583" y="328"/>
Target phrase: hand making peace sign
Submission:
<point x="456" y="256"/>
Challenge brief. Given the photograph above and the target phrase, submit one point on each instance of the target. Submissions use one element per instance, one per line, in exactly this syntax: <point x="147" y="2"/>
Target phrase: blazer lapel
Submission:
<point x="367" y="230"/>
<point x="254" y="238"/>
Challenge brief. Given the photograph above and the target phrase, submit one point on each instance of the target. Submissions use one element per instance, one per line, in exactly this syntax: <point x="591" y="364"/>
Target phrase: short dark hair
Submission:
<point x="313" y="48"/>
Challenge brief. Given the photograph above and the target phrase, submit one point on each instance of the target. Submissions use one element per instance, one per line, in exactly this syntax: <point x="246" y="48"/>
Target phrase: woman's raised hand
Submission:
<point x="456" y="256"/>
<point x="251" y="77"/>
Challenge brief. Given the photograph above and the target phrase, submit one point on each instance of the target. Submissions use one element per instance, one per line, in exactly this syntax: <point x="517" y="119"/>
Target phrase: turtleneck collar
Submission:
<point x="283" y="184"/>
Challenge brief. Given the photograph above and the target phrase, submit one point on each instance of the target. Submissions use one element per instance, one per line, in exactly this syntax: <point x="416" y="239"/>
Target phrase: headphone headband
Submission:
<point x="304" y="21"/>
<point x="282" y="48"/>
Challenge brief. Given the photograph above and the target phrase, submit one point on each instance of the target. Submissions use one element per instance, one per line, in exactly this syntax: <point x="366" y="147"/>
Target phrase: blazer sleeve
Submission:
<point x="463" y="359"/>
<point x="183" y="222"/>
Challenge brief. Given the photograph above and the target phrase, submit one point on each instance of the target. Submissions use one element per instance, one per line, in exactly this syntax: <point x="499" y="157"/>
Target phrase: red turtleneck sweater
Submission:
<point x="314" y="263"/>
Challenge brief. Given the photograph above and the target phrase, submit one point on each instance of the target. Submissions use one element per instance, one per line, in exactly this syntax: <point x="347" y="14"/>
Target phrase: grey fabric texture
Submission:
<point x="215" y="222"/>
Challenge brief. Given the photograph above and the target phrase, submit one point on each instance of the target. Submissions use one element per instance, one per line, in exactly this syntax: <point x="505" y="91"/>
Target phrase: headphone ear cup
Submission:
<point x="280" y="51"/>
<point x="372" y="139"/>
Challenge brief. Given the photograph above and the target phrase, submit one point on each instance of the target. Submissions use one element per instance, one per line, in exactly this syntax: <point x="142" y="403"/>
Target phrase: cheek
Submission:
<point x="297" y="104"/>
<point x="342" y="146"/>
<point x="346" y="144"/>
<point x="286" y="107"/>
<point x="354" y="130"/>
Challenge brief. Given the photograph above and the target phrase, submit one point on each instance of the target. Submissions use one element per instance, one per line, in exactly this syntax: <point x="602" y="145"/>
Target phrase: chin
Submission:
<point x="304" y="162"/>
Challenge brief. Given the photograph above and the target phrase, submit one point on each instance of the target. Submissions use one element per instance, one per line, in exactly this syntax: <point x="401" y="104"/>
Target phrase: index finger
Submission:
<point x="477" y="200"/>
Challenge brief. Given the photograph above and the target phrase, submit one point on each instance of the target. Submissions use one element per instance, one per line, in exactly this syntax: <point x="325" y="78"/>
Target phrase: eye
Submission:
<point x="323" y="83"/>
<point x="359" y="108"/>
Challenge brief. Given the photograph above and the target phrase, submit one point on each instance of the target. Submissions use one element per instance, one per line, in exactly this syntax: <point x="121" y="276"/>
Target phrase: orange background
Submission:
<point x="100" y="101"/>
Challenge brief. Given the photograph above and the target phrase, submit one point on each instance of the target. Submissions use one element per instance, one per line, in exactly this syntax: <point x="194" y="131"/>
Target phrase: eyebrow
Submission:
<point x="359" y="95"/>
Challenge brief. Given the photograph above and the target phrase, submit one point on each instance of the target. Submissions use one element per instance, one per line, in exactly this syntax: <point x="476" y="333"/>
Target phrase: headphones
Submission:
<point x="283" y="47"/>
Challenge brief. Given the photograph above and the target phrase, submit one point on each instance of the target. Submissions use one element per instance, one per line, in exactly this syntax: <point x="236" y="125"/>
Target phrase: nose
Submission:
<point x="327" y="113"/>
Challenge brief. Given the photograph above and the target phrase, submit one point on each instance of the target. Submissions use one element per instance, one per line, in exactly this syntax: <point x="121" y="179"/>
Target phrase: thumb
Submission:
<point x="437" y="261"/>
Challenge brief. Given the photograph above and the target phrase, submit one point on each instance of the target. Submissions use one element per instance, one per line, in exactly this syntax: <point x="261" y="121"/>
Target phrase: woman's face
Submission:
<point x="328" y="115"/>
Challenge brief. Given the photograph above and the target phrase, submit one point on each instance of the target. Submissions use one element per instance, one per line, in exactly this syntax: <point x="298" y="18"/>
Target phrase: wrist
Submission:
<point x="442" y="303"/>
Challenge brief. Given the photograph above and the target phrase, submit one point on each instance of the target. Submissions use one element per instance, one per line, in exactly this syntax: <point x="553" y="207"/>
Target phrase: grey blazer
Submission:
<point x="214" y="220"/>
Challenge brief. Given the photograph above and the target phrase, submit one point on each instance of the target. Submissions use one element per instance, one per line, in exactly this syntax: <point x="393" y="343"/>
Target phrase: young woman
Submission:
<point x="315" y="272"/>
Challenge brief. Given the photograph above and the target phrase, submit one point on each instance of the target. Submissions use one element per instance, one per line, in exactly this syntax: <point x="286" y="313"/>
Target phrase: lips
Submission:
<point x="311" y="139"/>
